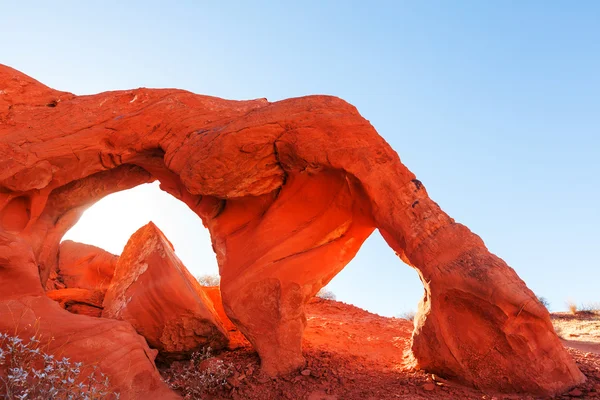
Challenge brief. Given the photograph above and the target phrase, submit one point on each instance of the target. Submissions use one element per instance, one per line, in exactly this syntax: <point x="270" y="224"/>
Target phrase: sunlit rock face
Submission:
<point x="84" y="266"/>
<point x="289" y="191"/>
<point x="153" y="291"/>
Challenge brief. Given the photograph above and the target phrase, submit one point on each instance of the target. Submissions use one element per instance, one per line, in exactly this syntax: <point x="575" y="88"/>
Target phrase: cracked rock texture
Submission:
<point x="289" y="191"/>
<point x="154" y="292"/>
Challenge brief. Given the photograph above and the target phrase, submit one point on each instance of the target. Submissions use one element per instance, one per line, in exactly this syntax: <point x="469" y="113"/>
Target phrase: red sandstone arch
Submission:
<point x="289" y="191"/>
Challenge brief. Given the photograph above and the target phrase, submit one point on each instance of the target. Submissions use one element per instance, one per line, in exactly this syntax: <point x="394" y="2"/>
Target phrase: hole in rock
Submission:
<point x="375" y="280"/>
<point x="378" y="281"/>
<point x="110" y="222"/>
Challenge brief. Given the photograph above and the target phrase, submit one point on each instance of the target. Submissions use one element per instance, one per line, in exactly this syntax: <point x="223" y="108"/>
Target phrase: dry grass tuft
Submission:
<point x="408" y="315"/>
<point x="325" y="294"/>
<point x="572" y="307"/>
<point x="585" y="308"/>
<point x="203" y="375"/>
<point x="209" y="280"/>
<point x="590" y="308"/>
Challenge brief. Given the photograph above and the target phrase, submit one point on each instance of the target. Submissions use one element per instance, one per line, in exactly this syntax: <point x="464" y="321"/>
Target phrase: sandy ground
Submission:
<point x="580" y="331"/>
<point x="353" y="354"/>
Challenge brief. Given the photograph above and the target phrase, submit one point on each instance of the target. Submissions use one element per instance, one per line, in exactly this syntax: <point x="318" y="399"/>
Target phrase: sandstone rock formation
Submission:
<point x="113" y="345"/>
<point x="154" y="291"/>
<point x="82" y="278"/>
<point x="289" y="191"/>
<point x="84" y="266"/>
<point x="213" y="293"/>
<point x="236" y="338"/>
<point x="79" y="301"/>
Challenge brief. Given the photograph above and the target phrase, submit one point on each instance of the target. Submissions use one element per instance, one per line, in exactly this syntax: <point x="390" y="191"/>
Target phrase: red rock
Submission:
<point x="289" y="191"/>
<point x="575" y="393"/>
<point x="429" y="387"/>
<point x="236" y="338"/>
<point x="214" y="294"/>
<point x="85" y="266"/>
<point x="83" y="276"/>
<point x="84" y="309"/>
<point x="79" y="301"/>
<point x="154" y="291"/>
<point x="112" y="345"/>
<point x="320" y="395"/>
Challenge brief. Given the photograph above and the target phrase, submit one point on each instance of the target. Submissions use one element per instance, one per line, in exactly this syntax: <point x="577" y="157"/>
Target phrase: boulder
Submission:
<point x="84" y="266"/>
<point x="154" y="291"/>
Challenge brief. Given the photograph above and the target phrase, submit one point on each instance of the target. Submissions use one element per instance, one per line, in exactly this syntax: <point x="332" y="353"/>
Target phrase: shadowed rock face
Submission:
<point x="289" y="191"/>
<point x="79" y="301"/>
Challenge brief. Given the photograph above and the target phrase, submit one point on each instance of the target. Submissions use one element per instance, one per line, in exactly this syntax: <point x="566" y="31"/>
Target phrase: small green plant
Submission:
<point x="325" y="294"/>
<point x="209" y="280"/>
<point x="27" y="372"/>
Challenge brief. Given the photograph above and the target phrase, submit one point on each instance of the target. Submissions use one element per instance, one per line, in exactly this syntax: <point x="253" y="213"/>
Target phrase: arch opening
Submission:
<point x="378" y="281"/>
<point x="304" y="205"/>
<point x="370" y="281"/>
<point x="110" y="223"/>
<point x="264" y="293"/>
<point x="118" y="261"/>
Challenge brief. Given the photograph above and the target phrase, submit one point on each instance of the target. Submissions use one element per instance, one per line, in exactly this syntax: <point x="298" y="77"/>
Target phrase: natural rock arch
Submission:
<point x="289" y="191"/>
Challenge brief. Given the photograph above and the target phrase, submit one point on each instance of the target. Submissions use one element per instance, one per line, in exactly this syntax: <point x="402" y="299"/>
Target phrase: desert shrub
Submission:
<point x="203" y="374"/>
<point x="325" y="294"/>
<point x="544" y="302"/>
<point x="590" y="308"/>
<point x="572" y="307"/>
<point x="27" y="372"/>
<point x="209" y="280"/>
<point x="408" y="315"/>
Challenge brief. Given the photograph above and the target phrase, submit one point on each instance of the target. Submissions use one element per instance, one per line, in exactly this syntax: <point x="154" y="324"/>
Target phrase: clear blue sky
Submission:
<point x="494" y="105"/>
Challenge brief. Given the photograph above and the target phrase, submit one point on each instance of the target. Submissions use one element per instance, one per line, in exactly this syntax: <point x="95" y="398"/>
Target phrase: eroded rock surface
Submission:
<point x="79" y="301"/>
<point x="84" y="266"/>
<point x="113" y="346"/>
<point x="83" y="275"/>
<point x="289" y="191"/>
<point x="154" y="291"/>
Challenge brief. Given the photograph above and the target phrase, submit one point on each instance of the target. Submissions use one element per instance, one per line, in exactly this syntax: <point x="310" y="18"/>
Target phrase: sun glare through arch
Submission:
<point x="110" y="222"/>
